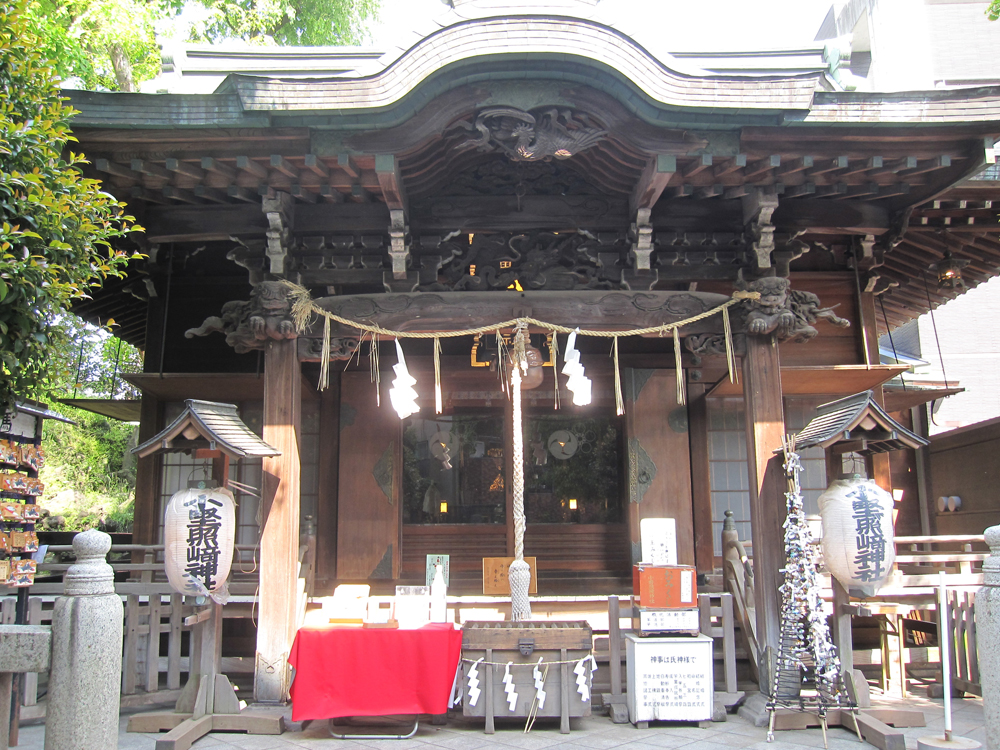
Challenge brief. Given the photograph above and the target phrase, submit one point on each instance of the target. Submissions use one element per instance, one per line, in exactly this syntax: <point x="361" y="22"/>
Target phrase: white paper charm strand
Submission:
<point x="508" y="687"/>
<point x="539" y="684"/>
<point x="474" y="690"/>
<point x="580" y="670"/>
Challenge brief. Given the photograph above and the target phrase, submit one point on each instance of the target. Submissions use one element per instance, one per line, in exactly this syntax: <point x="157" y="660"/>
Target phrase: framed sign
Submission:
<point x="495" y="581"/>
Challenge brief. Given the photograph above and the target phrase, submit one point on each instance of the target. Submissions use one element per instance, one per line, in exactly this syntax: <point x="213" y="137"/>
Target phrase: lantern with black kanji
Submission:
<point x="199" y="529"/>
<point x="858" y="545"/>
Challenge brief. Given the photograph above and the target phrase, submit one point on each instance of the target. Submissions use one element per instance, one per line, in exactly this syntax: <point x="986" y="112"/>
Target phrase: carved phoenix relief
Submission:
<point x="539" y="136"/>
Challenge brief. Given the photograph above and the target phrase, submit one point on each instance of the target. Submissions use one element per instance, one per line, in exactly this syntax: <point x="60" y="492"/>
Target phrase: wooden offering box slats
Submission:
<point x="500" y="642"/>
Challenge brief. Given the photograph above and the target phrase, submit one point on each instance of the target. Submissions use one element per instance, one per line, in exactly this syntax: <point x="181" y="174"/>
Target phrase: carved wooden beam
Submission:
<point x="280" y="213"/>
<point x="655" y="176"/>
<point x="449" y="311"/>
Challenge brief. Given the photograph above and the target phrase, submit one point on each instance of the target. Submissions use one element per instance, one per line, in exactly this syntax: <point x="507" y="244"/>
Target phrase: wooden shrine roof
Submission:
<point x="858" y="422"/>
<point x="208" y="422"/>
<point x="347" y="148"/>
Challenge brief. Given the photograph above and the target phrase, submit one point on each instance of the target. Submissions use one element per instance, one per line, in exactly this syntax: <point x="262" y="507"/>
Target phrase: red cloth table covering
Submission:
<point x="373" y="672"/>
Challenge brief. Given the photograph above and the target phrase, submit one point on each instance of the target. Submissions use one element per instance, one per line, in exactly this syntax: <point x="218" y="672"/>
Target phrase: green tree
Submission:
<point x="112" y="44"/>
<point x="56" y="227"/>
<point x="994" y="10"/>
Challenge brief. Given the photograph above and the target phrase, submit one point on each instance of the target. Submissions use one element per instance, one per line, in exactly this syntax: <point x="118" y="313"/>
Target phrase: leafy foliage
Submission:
<point x="91" y="461"/>
<point x="56" y="226"/>
<point x="112" y="44"/>
<point x="994" y="10"/>
<point x="308" y="22"/>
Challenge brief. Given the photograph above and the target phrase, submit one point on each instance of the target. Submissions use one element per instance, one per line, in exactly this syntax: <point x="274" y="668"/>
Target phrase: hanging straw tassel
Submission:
<point x="374" y="365"/>
<point x="437" y="376"/>
<point x="554" y="350"/>
<point x="681" y="396"/>
<point x="619" y="403"/>
<point x="324" y="367"/>
<point x="727" y="331"/>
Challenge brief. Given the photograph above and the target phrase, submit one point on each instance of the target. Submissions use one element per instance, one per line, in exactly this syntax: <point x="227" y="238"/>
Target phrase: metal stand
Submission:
<point x="416" y="724"/>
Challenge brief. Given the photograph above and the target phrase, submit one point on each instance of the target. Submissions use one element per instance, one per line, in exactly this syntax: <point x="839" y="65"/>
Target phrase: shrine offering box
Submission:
<point x="502" y="642"/>
<point x="669" y="679"/>
<point x="665" y="586"/>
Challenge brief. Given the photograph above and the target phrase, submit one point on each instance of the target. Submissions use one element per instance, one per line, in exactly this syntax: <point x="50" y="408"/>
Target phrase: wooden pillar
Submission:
<point x="329" y="473"/>
<point x="147" y="478"/>
<point x="765" y="425"/>
<point x="880" y="471"/>
<point x="701" y="488"/>
<point x="279" y="543"/>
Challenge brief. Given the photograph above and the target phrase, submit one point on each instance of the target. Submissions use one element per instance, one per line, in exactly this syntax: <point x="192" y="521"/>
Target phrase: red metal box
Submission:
<point x="665" y="586"/>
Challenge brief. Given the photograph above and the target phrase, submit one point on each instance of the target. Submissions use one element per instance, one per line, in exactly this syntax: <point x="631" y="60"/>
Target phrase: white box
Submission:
<point x="658" y="541"/>
<point x="669" y="679"/>
<point x="668" y="620"/>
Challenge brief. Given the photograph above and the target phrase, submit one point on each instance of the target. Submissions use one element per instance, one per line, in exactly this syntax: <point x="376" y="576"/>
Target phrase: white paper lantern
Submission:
<point x="199" y="529"/>
<point x="858" y="546"/>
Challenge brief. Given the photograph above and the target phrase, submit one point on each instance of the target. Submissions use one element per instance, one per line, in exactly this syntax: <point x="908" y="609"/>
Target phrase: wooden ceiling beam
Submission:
<point x="316" y="165"/>
<point x="251" y="167"/>
<point x="214" y="165"/>
<point x="281" y="164"/>
<point x="114" y="168"/>
<point x="659" y="170"/>
<point x="153" y="170"/>
<point x="188" y="170"/>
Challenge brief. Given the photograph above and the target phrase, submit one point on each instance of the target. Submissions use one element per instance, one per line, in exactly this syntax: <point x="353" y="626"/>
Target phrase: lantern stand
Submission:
<point x="208" y="702"/>
<point x="857" y="425"/>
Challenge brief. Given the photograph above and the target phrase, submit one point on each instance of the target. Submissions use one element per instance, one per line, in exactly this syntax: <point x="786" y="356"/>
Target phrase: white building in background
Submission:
<point x="905" y="45"/>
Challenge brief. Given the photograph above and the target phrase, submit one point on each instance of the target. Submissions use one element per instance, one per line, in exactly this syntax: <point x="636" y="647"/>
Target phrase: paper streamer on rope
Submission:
<point x="539" y="684"/>
<point x="402" y="394"/>
<point x="508" y="687"/>
<point x="474" y="690"/>
<point x="438" y="407"/>
<point x="681" y="397"/>
<point x="581" y="672"/>
<point x="727" y="332"/>
<point x="619" y="404"/>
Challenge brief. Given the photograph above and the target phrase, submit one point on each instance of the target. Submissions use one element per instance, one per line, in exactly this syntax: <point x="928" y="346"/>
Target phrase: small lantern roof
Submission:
<point x="860" y="424"/>
<point x="211" y="425"/>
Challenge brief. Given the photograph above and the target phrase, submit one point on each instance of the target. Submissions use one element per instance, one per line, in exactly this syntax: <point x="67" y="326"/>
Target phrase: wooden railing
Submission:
<point x="737" y="576"/>
<point x="919" y="561"/>
<point x="150" y="674"/>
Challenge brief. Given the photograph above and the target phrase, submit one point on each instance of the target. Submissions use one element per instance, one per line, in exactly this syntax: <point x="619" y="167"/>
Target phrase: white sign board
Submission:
<point x="658" y="539"/>
<point x="669" y="679"/>
<point x="667" y="620"/>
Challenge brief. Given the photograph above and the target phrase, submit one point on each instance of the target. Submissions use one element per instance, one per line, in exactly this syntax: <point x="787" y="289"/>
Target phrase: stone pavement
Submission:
<point x="595" y="733"/>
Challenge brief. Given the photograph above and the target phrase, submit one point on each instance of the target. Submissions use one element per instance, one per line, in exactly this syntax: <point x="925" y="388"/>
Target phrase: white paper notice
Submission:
<point x="687" y="584"/>
<point x="658" y="539"/>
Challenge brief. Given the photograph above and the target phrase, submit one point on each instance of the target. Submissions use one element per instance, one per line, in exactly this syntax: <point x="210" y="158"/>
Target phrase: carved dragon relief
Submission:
<point x="248" y="324"/>
<point x="541" y="135"/>
<point x="790" y="314"/>
<point x="537" y="261"/>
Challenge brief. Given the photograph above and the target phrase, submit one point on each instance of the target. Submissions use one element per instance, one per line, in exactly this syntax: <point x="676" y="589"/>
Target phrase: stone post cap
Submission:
<point x="90" y="574"/>
<point x="991" y="566"/>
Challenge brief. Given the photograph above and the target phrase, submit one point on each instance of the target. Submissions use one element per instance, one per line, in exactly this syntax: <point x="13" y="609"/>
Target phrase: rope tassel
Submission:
<point x="681" y="396"/>
<point x="619" y="403"/>
<point x="438" y="408"/>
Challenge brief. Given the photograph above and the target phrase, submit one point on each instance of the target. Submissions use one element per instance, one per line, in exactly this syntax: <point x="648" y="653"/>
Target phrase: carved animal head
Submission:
<point x="271" y="295"/>
<point x="773" y="291"/>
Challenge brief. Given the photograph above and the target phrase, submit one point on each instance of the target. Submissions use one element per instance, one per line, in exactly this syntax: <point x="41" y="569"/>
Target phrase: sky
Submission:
<point x="664" y="25"/>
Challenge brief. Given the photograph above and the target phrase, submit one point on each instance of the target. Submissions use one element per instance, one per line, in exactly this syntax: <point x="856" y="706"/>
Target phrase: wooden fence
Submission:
<point x="151" y="674"/>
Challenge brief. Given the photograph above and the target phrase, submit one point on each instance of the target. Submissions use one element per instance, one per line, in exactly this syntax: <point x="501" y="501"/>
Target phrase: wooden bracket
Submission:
<point x="399" y="250"/>
<point x="758" y="207"/>
<point x="642" y="247"/>
<point x="280" y="213"/>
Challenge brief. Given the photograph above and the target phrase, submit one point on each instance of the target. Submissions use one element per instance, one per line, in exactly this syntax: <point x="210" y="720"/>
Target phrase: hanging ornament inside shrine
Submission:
<point x="578" y="383"/>
<point x="199" y="529"/>
<point x="402" y="394"/>
<point x="858" y="546"/>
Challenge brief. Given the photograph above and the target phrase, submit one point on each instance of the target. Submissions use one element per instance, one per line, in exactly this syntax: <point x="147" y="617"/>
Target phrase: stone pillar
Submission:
<point x="85" y="679"/>
<point x="988" y="638"/>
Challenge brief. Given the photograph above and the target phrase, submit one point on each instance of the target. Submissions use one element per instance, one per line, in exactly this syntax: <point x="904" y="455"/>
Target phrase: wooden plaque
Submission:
<point x="495" y="576"/>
